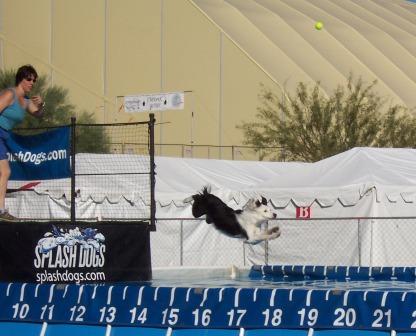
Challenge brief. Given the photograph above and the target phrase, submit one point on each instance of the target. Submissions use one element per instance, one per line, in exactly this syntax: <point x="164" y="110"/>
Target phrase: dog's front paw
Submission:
<point x="275" y="229"/>
<point x="275" y="232"/>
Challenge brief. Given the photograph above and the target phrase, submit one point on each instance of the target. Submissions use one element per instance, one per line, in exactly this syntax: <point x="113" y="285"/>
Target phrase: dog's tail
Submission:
<point x="199" y="205"/>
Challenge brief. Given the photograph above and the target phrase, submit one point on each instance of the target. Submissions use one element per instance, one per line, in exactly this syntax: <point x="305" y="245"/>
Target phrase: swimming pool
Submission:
<point x="297" y="298"/>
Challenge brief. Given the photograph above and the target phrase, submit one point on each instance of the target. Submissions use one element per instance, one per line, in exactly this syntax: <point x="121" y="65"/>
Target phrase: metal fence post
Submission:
<point x="359" y="242"/>
<point x="266" y="252"/>
<point x="73" y="150"/>
<point x="181" y="244"/>
<point x="152" y="171"/>
<point x="266" y="247"/>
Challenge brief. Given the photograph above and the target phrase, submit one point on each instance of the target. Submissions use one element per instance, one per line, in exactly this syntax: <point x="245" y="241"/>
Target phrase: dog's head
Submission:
<point x="260" y="207"/>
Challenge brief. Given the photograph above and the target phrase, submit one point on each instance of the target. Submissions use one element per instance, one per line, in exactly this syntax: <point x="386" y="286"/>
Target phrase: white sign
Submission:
<point x="154" y="102"/>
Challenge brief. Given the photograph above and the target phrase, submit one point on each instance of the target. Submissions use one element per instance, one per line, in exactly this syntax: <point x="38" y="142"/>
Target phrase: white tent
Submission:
<point x="383" y="177"/>
<point x="354" y="185"/>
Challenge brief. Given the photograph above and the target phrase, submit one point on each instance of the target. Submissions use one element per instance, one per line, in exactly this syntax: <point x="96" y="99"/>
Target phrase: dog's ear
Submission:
<point x="250" y="204"/>
<point x="258" y="204"/>
<point x="263" y="200"/>
<point x="206" y="190"/>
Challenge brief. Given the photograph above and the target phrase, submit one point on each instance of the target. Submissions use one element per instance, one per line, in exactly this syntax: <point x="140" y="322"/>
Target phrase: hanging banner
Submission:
<point x="154" y="102"/>
<point x="82" y="253"/>
<point x="42" y="156"/>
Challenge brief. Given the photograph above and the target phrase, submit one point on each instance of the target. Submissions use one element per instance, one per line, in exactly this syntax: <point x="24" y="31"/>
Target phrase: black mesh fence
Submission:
<point x="111" y="177"/>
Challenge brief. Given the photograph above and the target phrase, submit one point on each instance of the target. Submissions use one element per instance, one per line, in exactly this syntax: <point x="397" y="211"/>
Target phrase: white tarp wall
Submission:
<point x="338" y="193"/>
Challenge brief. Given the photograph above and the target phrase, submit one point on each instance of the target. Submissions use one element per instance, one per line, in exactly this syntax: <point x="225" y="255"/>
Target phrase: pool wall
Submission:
<point x="290" y="305"/>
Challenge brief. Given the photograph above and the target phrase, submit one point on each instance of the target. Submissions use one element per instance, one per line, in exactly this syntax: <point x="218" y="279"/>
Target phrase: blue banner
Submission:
<point x="42" y="156"/>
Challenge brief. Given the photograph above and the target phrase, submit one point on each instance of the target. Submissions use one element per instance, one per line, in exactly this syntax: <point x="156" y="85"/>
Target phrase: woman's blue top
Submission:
<point x="12" y="114"/>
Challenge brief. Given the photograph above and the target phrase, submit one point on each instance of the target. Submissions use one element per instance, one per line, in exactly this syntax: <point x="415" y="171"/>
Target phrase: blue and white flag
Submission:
<point x="42" y="156"/>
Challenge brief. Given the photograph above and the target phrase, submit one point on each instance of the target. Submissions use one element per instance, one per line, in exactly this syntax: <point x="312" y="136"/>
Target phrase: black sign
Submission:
<point x="87" y="252"/>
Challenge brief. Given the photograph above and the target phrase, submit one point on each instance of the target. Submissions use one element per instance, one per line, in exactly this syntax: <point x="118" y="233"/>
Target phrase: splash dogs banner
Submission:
<point x="82" y="253"/>
<point x="42" y="156"/>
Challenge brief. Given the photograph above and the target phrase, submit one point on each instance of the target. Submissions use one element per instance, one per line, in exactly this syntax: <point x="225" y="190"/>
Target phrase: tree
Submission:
<point x="57" y="112"/>
<point x="311" y="126"/>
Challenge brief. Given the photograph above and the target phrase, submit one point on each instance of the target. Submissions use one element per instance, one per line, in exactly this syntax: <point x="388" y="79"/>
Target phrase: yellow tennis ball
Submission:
<point x="319" y="25"/>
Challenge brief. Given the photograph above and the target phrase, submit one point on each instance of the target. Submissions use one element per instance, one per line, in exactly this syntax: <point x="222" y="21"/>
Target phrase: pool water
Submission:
<point x="256" y="277"/>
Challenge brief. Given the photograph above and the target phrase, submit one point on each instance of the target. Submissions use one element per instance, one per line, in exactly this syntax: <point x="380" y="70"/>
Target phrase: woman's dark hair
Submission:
<point x="24" y="72"/>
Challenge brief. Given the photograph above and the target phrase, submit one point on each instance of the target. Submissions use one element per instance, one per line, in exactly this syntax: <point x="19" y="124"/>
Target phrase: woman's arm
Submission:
<point x="35" y="106"/>
<point x="6" y="98"/>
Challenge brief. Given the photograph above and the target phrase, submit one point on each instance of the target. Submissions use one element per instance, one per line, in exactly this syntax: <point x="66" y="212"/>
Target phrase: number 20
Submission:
<point x="345" y="317"/>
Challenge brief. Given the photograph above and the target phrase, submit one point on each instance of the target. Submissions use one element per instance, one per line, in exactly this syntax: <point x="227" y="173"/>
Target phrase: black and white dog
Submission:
<point x="245" y="224"/>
